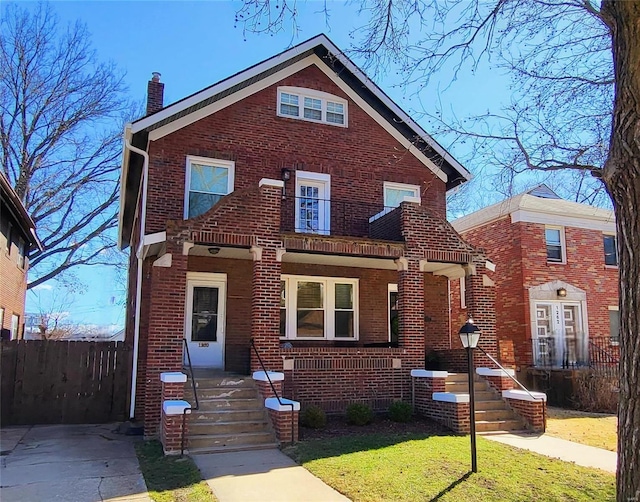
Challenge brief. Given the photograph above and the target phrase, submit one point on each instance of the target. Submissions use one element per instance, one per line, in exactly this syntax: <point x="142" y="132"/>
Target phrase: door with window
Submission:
<point x="205" y="322"/>
<point x="558" y="338"/>
<point x="312" y="205"/>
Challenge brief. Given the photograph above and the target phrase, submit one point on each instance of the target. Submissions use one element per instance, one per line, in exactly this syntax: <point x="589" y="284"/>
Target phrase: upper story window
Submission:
<point x="207" y="181"/>
<point x="315" y="106"/>
<point x="614" y="324"/>
<point x="610" y="250"/>
<point x="554" y="237"/>
<point x="21" y="252"/>
<point x="395" y="193"/>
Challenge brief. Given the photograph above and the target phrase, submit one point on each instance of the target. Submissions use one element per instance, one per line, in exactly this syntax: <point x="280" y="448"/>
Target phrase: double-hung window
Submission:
<point x="318" y="308"/>
<point x="395" y="193"/>
<point x="554" y="237"/>
<point x="610" y="250"/>
<point x="207" y="181"/>
<point x="614" y="325"/>
<point x="312" y="105"/>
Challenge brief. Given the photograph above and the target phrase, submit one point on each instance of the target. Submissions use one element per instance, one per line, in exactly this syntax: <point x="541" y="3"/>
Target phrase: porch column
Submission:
<point x="411" y="310"/>
<point x="481" y="299"/>
<point x="166" y="329"/>
<point x="265" y="308"/>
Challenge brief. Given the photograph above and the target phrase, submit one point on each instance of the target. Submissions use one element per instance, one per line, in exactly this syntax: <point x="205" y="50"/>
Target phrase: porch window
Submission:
<point x="395" y="193"/>
<point x="555" y="247"/>
<point x="207" y="181"/>
<point x="318" y="308"/>
<point x="610" y="250"/>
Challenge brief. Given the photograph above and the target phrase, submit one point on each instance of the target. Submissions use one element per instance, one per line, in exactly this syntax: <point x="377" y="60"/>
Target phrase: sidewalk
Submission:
<point x="69" y="463"/>
<point x="580" y="454"/>
<point x="264" y="476"/>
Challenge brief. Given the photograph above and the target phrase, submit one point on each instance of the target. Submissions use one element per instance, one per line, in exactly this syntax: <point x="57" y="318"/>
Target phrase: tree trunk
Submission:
<point x="622" y="178"/>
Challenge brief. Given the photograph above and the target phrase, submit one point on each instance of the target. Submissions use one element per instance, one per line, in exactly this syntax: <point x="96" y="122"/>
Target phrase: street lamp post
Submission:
<point x="469" y="336"/>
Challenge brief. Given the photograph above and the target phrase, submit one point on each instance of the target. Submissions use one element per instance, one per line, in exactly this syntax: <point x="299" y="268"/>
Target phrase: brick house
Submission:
<point x="556" y="282"/>
<point x="17" y="240"/>
<point x="295" y="205"/>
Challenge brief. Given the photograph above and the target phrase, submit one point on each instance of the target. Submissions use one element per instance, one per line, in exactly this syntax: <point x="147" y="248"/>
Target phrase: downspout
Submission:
<point x="143" y="215"/>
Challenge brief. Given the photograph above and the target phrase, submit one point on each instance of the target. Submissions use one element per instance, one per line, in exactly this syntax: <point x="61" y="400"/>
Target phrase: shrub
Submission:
<point x="595" y="392"/>
<point x="359" y="414"/>
<point x="400" y="411"/>
<point x="313" y="417"/>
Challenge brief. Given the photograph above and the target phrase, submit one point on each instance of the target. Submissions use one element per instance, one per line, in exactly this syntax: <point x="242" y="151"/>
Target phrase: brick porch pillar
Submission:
<point x="411" y="310"/>
<point x="481" y="299"/>
<point x="265" y="308"/>
<point x="166" y="329"/>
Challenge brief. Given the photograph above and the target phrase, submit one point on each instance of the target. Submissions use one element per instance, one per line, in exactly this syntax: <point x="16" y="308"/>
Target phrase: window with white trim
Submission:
<point x="395" y="193"/>
<point x="463" y="292"/>
<point x="313" y="203"/>
<point x="614" y="325"/>
<point x="314" y="308"/>
<point x="610" y="250"/>
<point x="392" y="290"/>
<point x="554" y="237"/>
<point x="312" y="105"/>
<point x="15" y="325"/>
<point x="207" y="181"/>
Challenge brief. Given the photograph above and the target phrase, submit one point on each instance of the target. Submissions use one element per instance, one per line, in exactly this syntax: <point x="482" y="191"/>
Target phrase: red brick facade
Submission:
<point x="412" y="247"/>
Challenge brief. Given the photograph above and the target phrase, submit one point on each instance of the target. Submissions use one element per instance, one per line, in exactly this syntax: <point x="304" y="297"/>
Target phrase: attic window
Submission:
<point x="312" y="106"/>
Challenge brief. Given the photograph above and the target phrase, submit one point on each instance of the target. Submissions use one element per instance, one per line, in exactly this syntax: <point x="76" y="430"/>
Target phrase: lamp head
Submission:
<point x="469" y="334"/>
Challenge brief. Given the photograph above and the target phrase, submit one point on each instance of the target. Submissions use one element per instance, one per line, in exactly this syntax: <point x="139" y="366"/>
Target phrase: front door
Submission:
<point x="205" y="324"/>
<point x="558" y="339"/>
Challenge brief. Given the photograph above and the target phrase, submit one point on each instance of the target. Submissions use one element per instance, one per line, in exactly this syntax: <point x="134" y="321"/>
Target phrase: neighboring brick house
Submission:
<point x="556" y="279"/>
<point x="17" y="240"/>
<point x="296" y="205"/>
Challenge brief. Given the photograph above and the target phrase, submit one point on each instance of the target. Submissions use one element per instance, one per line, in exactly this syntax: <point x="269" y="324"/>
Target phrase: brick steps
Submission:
<point x="231" y="415"/>
<point x="492" y="414"/>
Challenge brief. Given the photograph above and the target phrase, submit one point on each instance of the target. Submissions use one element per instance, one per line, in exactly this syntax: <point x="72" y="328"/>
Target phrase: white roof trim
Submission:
<point x="589" y="223"/>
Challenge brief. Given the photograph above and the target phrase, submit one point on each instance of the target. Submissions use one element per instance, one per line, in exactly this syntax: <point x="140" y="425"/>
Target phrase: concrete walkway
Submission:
<point x="264" y="476"/>
<point x="70" y="463"/>
<point x="587" y="456"/>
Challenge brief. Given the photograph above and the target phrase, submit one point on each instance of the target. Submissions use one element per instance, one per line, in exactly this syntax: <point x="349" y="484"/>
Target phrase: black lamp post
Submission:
<point x="469" y="335"/>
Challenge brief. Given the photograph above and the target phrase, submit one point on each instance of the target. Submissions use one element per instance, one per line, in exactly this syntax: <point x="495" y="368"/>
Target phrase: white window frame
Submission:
<point x="192" y="159"/>
<point x="325" y="97"/>
<point x="615" y="240"/>
<point x="15" y="327"/>
<point x="463" y="292"/>
<point x="563" y="244"/>
<point x="329" y="306"/>
<point x="391" y="288"/>
<point x="306" y="177"/>
<point x="401" y="186"/>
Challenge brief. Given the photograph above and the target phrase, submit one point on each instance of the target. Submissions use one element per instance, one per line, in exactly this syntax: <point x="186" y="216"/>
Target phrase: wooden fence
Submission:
<point x="59" y="382"/>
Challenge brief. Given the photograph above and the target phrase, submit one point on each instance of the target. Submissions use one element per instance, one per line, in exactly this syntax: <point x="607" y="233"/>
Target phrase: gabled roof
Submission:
<point x="542" y="205"/>
<point x="318" y="50"/>
<point x="12" y="203"/>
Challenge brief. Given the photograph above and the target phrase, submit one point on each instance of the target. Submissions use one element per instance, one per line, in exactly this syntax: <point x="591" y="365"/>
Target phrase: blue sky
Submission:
<point x="194" y="44"/>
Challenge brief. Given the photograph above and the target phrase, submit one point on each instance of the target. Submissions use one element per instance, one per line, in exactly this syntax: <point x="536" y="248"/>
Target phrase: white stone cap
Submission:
<point x="497" y="372"/>
<point x="429" y="374"/>
<point x="273" y="404"/>
<point x="261" y="376"/>
<point x="271" y="183"/>
<point x="522" y="395"/>
<point x="175" y="407"/>
<point x="450" y="397"/>
<point x="173" y="377"/>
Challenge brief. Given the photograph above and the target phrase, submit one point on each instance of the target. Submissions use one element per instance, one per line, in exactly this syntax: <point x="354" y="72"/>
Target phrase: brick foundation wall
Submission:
<point x="282" y="424"/>
<point x="455" y="416"/>
<point x="534" y="413"/>
<point x="171" y="436"/>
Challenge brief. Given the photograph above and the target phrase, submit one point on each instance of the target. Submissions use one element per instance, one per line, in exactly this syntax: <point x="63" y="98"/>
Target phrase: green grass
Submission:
<point x="171" y="478"/>
<point x="413" y="467"/>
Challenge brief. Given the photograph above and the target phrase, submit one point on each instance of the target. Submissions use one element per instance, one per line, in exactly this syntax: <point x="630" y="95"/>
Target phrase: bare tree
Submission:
<point x="576" y="107"/>
<point x="60" y="117"/>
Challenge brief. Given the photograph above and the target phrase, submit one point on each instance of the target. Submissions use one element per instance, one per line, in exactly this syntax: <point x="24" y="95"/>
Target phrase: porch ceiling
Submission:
<point x="220" y="252"/>
<point x="339" y="260"/>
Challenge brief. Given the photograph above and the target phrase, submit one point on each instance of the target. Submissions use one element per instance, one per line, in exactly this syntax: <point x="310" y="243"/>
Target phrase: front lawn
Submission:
<point x="593" y="429"/>
<point x="414" y="466"/>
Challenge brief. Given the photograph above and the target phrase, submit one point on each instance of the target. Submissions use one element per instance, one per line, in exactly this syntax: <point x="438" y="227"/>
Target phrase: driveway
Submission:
<point x="70" y="463"/>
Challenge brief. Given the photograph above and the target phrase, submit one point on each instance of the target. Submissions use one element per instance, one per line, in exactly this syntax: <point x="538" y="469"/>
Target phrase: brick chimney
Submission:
<point x="155" y="94"/>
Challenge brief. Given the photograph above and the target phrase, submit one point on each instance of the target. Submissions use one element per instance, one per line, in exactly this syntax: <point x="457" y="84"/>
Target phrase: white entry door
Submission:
<point x="205" y="324"/>
<point x="558" y="337"/>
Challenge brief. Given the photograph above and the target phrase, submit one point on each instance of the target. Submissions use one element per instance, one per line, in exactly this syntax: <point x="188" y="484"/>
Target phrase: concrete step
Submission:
<point x="228" y="381"/>
<point x="487" y="395"/>
<point x="227" y="449"/>
<point x="461" y="387"/>
<point x="498" y="425"/>
<point x="230" y="404"/>
<point x="227" y="415"/>
<point x="492" y="404"/>
<point x="491" y="415"/>
<point x="234" y="440"/>
<point x="235" y="427"/>
<point x="457" y="377"/>
<point x="221" y="392"/>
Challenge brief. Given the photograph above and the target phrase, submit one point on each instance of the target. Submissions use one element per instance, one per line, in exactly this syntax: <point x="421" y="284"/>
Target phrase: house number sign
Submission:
<point x="203" y="344"/>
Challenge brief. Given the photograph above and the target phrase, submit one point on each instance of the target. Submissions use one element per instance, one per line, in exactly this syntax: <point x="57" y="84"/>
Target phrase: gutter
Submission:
<point x="139" y="255"/>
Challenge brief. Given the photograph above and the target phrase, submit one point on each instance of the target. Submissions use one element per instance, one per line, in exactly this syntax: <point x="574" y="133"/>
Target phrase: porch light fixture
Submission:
<point x="213" y="250"/>
<point x="562" y="293"/>
<point x="285" y="174"/>
<point x="469" y="336"/>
